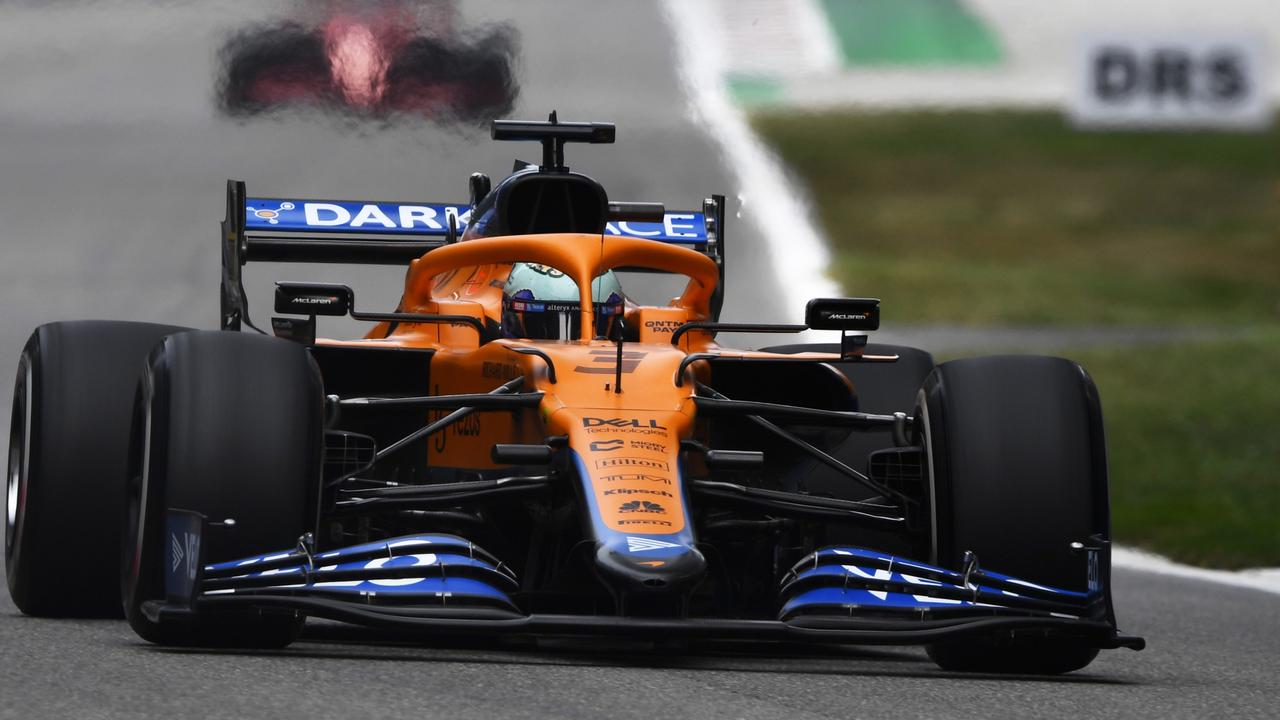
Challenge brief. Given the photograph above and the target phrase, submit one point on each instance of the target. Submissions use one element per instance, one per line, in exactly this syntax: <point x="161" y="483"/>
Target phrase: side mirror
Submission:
<point x="313" y="298"/>
<point x="843" y="314"/>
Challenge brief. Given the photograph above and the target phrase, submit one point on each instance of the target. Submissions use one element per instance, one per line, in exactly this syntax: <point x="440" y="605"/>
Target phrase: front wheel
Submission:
<point x="228" y="425"/>
<point x="1018" y="471"/>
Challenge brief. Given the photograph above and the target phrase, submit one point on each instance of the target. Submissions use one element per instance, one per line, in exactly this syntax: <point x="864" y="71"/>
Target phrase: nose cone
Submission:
<point x="649" y="564"/>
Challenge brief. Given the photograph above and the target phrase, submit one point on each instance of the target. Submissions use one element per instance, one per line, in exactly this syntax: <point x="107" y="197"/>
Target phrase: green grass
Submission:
<point x="902" y="32"/>
<point x="1013" y="217"/>
<point x="1194" y="441"/>
<point x="990" y="218"/>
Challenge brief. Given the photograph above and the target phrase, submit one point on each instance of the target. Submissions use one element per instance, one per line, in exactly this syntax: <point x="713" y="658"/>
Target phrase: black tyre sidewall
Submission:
<point x="18" y="530"/>
<point x="141" y="563"/>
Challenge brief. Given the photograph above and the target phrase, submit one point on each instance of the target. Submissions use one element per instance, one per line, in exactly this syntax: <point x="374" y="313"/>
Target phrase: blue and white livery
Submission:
<point x="428" y="219"/>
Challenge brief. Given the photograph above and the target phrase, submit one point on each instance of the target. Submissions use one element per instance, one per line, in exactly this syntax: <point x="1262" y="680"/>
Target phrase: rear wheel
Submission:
<point x="1018" y="471"/>
<point x="68" y="448"/>
<point x="228" y="425"/>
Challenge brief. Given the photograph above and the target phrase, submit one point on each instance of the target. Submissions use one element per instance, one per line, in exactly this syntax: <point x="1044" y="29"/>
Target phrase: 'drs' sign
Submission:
<point x="1179" y="80"/>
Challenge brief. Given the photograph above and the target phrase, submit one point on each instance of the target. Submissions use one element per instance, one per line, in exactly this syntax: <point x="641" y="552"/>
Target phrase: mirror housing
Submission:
<point x="313" y="298"/>
<point x="861" y="314"/>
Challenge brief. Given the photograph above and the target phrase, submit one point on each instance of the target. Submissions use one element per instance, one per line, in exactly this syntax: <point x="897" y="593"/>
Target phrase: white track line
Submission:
<point x="794" y="245"/>
<point x="794" y="40"/>
<point x="1265" y="579"/>
<point x="800" y="253"/>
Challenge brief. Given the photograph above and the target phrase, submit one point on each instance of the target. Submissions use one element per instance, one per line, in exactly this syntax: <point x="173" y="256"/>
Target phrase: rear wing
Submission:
<point x="392" y="233"/>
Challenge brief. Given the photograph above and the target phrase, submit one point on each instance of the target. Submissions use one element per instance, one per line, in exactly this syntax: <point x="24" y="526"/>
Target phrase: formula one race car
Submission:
<point x="372" y="58"/>
<point x="520" y="449"/>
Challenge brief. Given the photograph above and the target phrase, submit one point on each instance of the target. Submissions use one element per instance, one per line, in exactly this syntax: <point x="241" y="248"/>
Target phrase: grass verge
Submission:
<point x="1013" y="217"/>
<point x="1194" y="448"/>
<point x="985" y="218"/>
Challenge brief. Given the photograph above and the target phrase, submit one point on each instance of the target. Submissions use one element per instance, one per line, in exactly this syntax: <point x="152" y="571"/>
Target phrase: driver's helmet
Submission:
<point x="541" y="303"/>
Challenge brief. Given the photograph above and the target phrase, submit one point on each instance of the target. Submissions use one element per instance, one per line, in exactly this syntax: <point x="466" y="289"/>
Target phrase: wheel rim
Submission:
<point x="19" y="451"/>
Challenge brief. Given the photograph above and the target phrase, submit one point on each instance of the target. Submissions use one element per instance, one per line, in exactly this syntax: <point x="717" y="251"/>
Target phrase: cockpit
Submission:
<point x="532" y="202"/>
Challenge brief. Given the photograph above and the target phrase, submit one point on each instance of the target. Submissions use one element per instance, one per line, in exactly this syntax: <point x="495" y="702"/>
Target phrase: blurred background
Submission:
<point x="1098" y="180"/>
<point x="1091" y="179"/>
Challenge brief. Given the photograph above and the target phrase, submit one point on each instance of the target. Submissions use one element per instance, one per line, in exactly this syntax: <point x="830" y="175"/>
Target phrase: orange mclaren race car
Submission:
<point x="520" y="449"/>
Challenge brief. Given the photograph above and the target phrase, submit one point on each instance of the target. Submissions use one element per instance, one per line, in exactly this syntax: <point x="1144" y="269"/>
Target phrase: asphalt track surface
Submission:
<point x="112" y="162"/>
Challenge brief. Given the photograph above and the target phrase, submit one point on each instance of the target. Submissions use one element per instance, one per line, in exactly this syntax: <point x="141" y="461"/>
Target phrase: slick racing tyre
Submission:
<point x="228" y="425"/>
<point x="68" y="448"/>
<point x="1018" y="472"/>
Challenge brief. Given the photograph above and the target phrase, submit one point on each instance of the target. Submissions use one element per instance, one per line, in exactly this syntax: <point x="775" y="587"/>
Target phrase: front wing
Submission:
<point x="439" y="584"/>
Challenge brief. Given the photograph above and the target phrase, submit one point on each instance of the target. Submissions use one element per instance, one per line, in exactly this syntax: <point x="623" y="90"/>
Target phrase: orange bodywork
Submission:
<point x="628" y="441"/>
